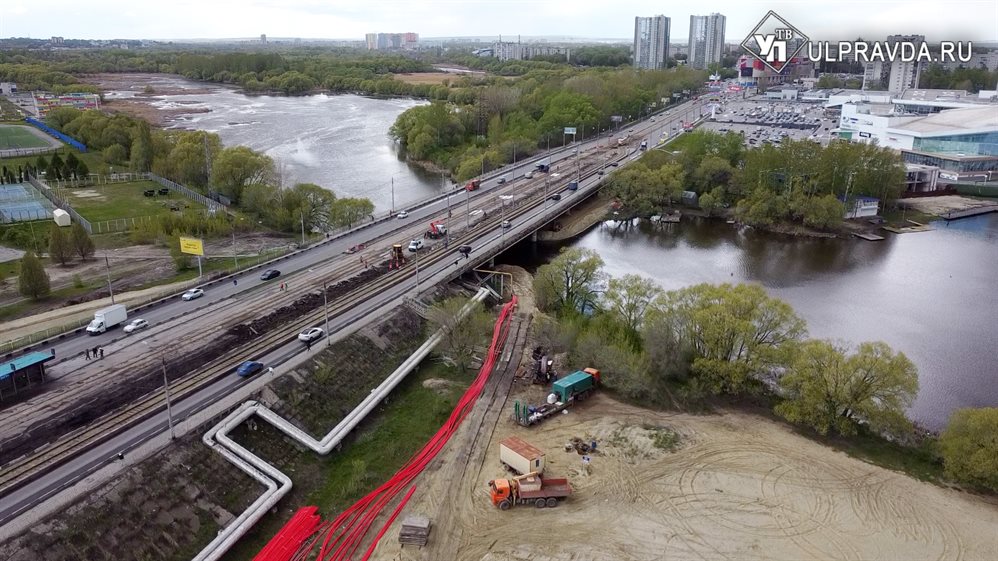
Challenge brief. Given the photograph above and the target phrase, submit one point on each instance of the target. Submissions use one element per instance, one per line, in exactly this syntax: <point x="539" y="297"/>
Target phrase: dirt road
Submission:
<point x="738" y="488"/>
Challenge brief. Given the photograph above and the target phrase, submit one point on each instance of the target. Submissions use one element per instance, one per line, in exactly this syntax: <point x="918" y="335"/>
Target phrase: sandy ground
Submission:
<point x="944" y="204"/>
<point x="739" y="488"/>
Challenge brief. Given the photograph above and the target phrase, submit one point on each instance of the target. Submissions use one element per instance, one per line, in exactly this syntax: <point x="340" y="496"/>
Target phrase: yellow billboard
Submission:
<point x="192" y="246"/>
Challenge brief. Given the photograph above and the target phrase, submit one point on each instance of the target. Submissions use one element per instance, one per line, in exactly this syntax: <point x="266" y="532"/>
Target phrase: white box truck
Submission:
<point x="107" y="318"/>
<point x="520" y="456"/>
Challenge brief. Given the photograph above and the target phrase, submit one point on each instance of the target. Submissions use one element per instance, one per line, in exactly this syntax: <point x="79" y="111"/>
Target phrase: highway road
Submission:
<point x="440" y="265"/>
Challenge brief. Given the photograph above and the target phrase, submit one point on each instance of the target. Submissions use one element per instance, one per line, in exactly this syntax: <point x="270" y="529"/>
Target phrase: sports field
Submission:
<point x="20" y="136"/>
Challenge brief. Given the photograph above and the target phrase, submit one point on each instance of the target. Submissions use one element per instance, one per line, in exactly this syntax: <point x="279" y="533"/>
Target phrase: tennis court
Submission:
<point x="19" y="136"/>
<point x="20" y="202"/>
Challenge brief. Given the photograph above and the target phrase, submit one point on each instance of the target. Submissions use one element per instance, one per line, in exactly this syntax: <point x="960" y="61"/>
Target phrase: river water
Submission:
<point x="932" y="295"/>
<point x="340" y="142"/>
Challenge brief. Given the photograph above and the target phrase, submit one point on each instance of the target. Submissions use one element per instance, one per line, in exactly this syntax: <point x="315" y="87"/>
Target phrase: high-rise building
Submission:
<point x="706" y="40"/>
<point x="651" y="42"/>
<point x="372" y="41"/>
<point x="263" y="37"/>
<point x="392" y="41"/>
<point x="894" y="76"/>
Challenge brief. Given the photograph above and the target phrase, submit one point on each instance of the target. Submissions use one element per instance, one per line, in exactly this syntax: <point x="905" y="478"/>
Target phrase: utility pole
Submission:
<point x="107" y="264"/>
<point x="417" y="272"/>
<point x="467" y="197"/>
<point x="166" y="390"/>
<point x="393" y="195"/>
<point x="235" y="259"/>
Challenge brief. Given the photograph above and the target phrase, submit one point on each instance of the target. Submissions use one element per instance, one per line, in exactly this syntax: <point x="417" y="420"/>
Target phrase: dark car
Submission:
<point x="249" y="368"/>
<point x="270" y="274"/>
<point x="555" y="197"/>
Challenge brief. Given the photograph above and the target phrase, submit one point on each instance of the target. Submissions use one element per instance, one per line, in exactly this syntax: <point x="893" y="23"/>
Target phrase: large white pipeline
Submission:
<point x="277" y="483"/>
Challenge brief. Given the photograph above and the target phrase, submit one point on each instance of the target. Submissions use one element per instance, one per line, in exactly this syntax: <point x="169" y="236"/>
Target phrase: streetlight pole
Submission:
<point x="467" y="198"/>
<point x="393" y="195"/>
<point x="417" y="272"/>
<point x="235" y="259"/>
<point x="107" y="264"/>
<point x="166" y="390"/>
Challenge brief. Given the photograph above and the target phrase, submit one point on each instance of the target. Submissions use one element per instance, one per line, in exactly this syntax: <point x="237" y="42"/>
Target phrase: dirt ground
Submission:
<point x="739" y="488"/>
<point x="944" y="204"/>
<point x="141" y="104"/>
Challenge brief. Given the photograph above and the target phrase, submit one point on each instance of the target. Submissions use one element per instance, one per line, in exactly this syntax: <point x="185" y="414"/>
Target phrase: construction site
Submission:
<point x="535" y="462"/>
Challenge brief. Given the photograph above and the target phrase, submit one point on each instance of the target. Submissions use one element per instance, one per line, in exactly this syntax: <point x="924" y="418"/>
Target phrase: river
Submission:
<point x="340" y="142"/>
<point x="932" y="295"/>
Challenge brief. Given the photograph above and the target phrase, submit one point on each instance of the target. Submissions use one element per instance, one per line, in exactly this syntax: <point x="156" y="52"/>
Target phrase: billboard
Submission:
<point x="192" y="246"/>
<point x="569" y="130"/>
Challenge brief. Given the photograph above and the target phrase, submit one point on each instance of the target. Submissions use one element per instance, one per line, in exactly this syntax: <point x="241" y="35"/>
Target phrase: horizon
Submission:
<point x="314" y="20"/>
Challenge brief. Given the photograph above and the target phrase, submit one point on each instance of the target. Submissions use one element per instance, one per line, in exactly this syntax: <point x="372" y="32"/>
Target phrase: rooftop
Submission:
<point x="953" y="121"/>
<point x="22" y="362"/>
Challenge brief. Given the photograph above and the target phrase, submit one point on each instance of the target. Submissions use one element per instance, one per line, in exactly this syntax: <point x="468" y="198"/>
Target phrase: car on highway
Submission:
<point x="506" y="224"/>
<point x="311" y="334"/>
<point x="136" y="325"/>
<point x="416" y="245"/>
<point x="249" y="368"/>
<point x="502" y="180"/>
<point x="192" y="294"/>
<point x="402" y="215"/>
<point x="270" y="274"/>
<point x="555" y="197"/>
<point x="529" y="174"/>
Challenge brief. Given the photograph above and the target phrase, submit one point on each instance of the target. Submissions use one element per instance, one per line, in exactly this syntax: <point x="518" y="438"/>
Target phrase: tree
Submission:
<point x="142" y="151"/>
<point x="735" y="332"/>
<point x="81" y="241"/>
<point x="348" y="211"/>
<point x="629" y="297"/>
<point x="571" y="282"/>
<point x="829" y="390"/>
<point x="709" y="202"/>
<point x="32" y="280"/>
<point x="969" y="446"/>
<point x="462" y="336"/>
<point x="60" y="248"/>
<point x="237" y="167"/>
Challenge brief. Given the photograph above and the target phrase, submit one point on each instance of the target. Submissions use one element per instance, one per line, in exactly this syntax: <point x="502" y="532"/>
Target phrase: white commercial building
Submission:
<point x="706" y="40"/>
<point x="651" y="42"/>
<point x="964" y="131"/>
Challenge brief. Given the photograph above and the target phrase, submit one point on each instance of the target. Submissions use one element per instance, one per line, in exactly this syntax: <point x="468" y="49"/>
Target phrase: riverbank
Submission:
<point x="575" y="223"/>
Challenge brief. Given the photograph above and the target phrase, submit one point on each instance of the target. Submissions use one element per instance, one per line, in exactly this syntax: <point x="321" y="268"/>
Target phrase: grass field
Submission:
<point x="19" y="136"/>
<point x="123" y="200"/>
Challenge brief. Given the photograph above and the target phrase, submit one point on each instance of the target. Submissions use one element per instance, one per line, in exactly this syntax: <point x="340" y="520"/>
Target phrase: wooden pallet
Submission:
<point x="415" y="530"/>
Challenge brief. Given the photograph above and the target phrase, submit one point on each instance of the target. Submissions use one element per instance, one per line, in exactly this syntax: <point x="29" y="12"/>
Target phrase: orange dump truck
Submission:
<point x="529" y="489"/>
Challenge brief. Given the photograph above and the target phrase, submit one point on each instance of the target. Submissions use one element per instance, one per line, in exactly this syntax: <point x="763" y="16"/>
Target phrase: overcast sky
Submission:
<point x="338" y="19"/>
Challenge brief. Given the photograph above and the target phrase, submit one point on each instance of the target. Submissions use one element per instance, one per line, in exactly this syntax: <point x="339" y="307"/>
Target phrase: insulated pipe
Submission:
<point x="278" y="484"/>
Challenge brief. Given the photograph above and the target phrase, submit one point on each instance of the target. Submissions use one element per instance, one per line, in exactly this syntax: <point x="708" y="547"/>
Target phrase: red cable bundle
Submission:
<point x="344" y="534"/>
<point x="290" y="537"/>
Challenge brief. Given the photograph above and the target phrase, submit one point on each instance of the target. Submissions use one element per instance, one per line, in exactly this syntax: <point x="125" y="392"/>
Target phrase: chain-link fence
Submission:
<point x="21" y="202"/>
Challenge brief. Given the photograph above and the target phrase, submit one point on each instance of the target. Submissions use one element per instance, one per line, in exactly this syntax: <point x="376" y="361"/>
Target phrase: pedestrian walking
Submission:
<point x="102" y="353"/>
<point x="234" y="282"/>
<point x="88" y="354"/>
<point x="308" y="345"/>
<point x="95" y="351"/>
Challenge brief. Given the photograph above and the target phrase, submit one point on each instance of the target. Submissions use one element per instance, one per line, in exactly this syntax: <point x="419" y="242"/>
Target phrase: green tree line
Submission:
<point x="480" y="133"/>
<point x="796" y="182"/>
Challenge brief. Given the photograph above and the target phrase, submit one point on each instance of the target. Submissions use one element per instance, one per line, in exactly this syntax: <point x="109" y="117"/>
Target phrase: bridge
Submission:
<point x="340" y="285"/>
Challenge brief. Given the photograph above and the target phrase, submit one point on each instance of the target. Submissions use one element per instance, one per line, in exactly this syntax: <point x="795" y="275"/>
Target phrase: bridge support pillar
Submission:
<point x="533" y="237"/>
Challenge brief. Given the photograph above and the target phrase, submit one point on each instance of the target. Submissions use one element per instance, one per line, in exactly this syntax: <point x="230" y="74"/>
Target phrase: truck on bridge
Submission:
<point x="106" y="318"/>
<point x="473" y="185"/>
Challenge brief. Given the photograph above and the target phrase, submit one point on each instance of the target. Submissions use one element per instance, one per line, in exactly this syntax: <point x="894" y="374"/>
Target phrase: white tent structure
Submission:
<point x="61" y="217"/>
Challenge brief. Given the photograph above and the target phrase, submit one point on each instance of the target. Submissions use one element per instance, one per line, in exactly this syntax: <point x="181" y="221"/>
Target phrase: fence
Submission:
<point x="21" y="152"/>
<point x="59" y="202"/>
<point x="56" y="134"/>
<point x="119" y="225"/>
<point x="194" y="196"/>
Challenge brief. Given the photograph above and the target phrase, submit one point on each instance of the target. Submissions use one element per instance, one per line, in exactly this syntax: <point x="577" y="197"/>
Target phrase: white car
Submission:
<point x="402" y="215"/>
<point x="416" y="245"/>
<point x="311" y="334"/>
<point x="506" y="224"/>
<point x="192" y="294"/>
<point x="136" y="325"/>
<point x="529" y="175"/>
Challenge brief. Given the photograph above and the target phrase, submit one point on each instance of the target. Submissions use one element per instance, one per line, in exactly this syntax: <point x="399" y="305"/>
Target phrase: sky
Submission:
<point x="956" y="20"/>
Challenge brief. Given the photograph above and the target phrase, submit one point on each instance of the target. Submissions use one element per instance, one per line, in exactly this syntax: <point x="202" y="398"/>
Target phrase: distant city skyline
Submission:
<point x="975" y="20"/>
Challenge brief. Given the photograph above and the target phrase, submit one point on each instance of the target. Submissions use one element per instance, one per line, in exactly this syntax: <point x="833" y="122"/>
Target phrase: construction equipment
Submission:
<point x="520" y="456"/>
<point x="398" y="257"/>
<point x="437" y="230"/>
<point x="577" y="386"/>
<point x="528" y="489"/>
<point x="543" y="370"/>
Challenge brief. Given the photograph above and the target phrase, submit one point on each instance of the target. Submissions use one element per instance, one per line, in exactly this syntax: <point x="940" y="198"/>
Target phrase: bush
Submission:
<point x="969" y="446"/>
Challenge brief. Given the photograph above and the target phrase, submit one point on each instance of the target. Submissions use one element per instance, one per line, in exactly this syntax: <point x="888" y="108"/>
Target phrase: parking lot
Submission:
<point x="764" y="121"/>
